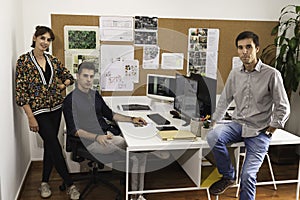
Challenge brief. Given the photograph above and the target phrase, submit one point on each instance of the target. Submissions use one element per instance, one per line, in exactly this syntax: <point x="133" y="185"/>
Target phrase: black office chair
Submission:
<point x="79" y="154"/>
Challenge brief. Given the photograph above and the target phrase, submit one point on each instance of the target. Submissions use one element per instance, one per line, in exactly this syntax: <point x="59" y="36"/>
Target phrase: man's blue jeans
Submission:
<point x="256" y="149"/>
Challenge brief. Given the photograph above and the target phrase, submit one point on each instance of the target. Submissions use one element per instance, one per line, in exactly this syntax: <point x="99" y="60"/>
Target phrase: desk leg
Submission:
<point x="298" y="183"/>
<point x="127" y="174"/>
<point x="237" y="152"/>
<point x="208" y="194"/>
<point x="190" y="161"/>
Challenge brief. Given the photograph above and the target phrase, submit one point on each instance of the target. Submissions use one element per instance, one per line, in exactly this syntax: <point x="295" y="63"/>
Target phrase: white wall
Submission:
<point x="14" y="142"/>
<point x="17" y="21"/>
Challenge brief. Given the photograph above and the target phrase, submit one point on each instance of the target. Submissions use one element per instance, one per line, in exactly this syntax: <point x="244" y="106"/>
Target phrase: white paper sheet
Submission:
<point x="114" y="79"/>
<point x="172" y="61"/>
<point x="116" y="28"/>
<point x="213" y="40"/>
<point x="151" y="57"/>
<point x="113" y="53"/>
<point x="211" y="65"/>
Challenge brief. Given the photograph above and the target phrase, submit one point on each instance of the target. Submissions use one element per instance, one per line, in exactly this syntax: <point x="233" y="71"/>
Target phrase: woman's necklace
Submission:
<point x="41" y="60"/>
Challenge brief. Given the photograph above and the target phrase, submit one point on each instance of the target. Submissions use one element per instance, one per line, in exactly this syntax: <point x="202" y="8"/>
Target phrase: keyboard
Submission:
<point x="127" y="107"/>
<point x="158" y="119"/>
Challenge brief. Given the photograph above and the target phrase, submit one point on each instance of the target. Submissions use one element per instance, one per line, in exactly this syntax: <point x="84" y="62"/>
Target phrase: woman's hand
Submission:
<point x="33" y="124"/>
<point x="62" y="86"/>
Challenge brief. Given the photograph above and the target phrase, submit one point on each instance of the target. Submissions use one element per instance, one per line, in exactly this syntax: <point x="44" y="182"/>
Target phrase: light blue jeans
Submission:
<point x="256" y="148"/>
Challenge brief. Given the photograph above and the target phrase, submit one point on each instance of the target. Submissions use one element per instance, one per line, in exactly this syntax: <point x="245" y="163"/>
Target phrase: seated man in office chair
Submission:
<point x="262" y="106"/>
<point x="86" y="116"/>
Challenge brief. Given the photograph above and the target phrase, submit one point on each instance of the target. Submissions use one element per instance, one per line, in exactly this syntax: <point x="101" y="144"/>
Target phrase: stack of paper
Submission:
<point x="177" y="135"/>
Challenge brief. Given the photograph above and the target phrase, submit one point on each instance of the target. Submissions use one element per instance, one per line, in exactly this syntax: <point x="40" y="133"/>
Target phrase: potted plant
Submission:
<point x="205" y="128"/>
<point x="284" y="56"/>
<point x="287" y="41"/>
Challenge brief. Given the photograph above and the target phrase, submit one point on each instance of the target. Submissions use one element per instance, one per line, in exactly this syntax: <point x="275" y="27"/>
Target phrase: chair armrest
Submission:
<point x="74" y="143"/>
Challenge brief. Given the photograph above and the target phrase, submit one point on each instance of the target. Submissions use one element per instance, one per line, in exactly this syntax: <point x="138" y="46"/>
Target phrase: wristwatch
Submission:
<point x="269" y="133"/>
<point x="132" y="118"/>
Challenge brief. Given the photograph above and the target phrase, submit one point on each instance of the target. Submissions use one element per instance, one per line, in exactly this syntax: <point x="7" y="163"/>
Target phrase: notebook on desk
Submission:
<point x="177" y="135"/>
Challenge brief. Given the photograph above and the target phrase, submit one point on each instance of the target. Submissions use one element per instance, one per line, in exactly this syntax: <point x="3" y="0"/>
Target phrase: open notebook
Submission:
<point x="177" y="135"/>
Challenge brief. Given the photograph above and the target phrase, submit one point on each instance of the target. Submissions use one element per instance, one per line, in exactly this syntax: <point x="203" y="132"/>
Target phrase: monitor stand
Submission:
<point x="177" y="115"/>
<point x="187" y="120"/>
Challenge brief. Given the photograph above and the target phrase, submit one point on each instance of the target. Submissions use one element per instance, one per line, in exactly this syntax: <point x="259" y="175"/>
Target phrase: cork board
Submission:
<point x="172" y="37"/>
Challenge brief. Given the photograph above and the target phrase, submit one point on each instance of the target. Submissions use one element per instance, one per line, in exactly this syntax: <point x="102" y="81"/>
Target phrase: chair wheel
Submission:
<point x="122" y="181"/>
<point x="62" y="187"/>
<point x="118" y="197"/>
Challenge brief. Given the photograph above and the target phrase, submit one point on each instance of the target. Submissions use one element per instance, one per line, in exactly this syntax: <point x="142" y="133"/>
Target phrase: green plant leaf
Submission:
<point x="275" y="29"/>
<point x="268" y="55"/>
<point x="295" y="86"/>
<point x="297" y="70"/>
<point x="288" y="45"/>
<point x="282" y="39"/>
<point x="296" y="32"/>
<point x="206" y="124"/>
<point x="298" y="66"/>
<point x="282" y="50"/>
<point x="290" y="60"/>
<point x="297" y="9"/>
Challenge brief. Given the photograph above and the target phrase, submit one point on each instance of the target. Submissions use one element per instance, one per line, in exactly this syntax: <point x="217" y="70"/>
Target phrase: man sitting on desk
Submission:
<point x="86" y="113"/>
<point x="262" y="106"/>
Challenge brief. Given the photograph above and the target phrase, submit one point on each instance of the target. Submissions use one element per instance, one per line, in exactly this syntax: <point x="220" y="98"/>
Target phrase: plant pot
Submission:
<point x="195" y="126"/>
<point x="204" y="132"/>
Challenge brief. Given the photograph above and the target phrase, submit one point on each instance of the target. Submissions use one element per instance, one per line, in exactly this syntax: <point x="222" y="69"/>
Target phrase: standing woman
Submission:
<point x="40" y="79"/>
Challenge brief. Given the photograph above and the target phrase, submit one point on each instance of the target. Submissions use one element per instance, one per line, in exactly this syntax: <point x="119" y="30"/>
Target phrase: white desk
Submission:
<point x="145" y="139"/>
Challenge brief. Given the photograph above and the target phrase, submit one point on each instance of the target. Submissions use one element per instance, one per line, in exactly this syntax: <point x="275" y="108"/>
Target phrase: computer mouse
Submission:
<point x="174" y="112"/>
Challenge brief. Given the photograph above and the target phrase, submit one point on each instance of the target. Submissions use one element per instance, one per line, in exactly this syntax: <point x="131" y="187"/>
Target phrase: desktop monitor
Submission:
<point x="195" y="96"/>
<point x="160" y="87"/>
<point x="207" y="92"/>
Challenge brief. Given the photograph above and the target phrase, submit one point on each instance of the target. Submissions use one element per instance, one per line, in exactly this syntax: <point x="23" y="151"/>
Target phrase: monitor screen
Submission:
<point x="161" y="87"/>
<point x="207" y="93"/>
<point x="195" y="96"/>
<point x="185" y="101"/>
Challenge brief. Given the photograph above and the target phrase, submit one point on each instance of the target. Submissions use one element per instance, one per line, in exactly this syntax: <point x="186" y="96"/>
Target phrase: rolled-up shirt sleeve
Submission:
<point x="281" y="109"/>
